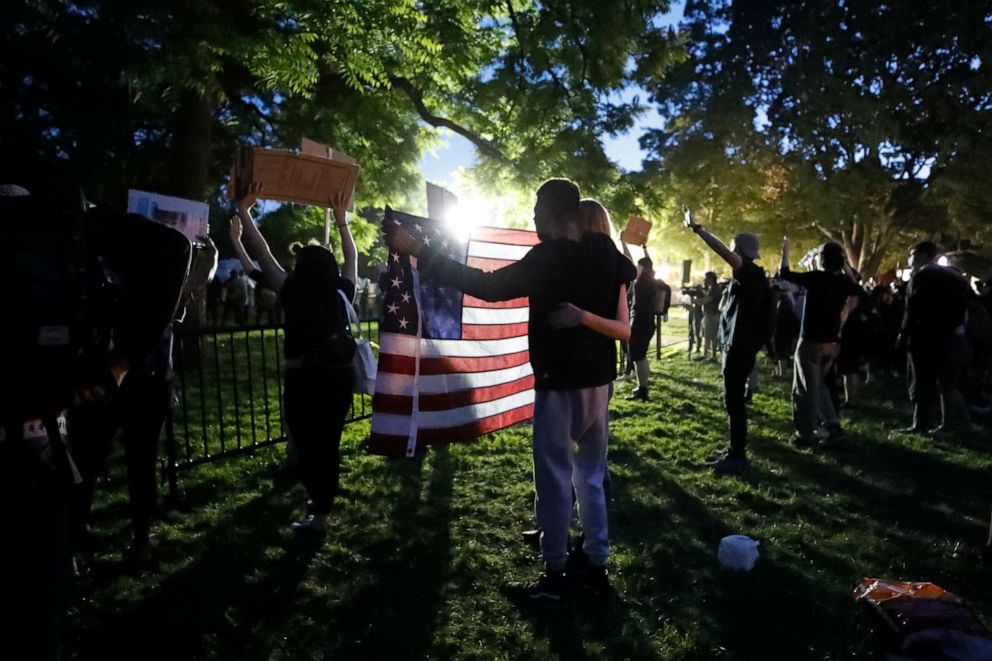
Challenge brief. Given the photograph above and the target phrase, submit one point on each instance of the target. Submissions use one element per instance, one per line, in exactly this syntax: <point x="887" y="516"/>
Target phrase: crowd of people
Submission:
<point x="584" y="295"/>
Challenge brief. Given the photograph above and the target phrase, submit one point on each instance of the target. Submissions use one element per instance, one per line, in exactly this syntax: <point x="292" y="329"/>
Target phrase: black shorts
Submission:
<point x="640" y="338"/>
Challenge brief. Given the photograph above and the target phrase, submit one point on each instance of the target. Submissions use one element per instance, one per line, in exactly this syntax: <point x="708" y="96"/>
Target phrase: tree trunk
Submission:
<point x="189" y="171"/>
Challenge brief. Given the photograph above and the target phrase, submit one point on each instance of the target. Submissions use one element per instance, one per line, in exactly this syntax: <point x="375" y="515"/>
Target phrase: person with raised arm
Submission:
<point x="827" y="292"/>
<point x="318" y="348"/>
<point x="744" y="319"/>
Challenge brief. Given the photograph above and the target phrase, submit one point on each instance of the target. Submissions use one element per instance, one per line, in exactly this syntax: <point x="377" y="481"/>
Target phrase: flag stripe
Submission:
<point x="395" y="445"/>
<point x="407" y="364"/>
<point x="496" y="250"/>
<point x="472" y="301"/>
<point x="491" y="316"/>
<point x="488" y="264"/>
<point x="483" y="332"/>
<point x="505" y="235"/>
<point x="401" y="384"/>
<point x="406" y="345"/>
<point x="386" y="423"/>
<point x="403" y="404"/>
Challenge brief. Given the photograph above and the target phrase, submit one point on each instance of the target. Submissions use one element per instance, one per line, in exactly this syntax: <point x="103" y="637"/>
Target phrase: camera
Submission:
<point x="694" y="291"/>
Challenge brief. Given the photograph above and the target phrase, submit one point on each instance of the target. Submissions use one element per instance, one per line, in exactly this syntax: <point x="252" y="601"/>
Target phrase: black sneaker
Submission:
<point x="717" y="456"/>
<point x="800" y="441"/>
<point x="638" y="394"/>
<point x="550" y="586"/>
<point x="532" y="538"/>
<point x="577" y="561"/>
<point x="731" y="467"/>
<point x="835" y="436"/>
<point x="597" y="580"/>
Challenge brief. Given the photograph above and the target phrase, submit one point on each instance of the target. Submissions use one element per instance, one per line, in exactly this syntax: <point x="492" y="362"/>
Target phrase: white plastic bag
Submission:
<point x="738" y="552"/>
<point x="363" y="362"/>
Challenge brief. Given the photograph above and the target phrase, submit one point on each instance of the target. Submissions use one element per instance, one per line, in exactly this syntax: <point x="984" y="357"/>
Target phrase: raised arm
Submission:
<point x="349" y="269"/>
<point x="256" y="243"/>
<point x="569" y="316"/>
<point x="715" y="244"/>
<point x="235" y="231"/>
<point x="626" y="250"/>
<point x="512" y="281"/>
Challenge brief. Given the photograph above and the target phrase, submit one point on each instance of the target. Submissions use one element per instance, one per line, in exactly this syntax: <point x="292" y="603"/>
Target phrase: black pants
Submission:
<point x="33" y="554"/>
<point x="144" y="402"/>
<point x="140" y="408"/>
<point x="737" y="366"/>
<point x="317" y="403"/>
<point x="934" y="372"/>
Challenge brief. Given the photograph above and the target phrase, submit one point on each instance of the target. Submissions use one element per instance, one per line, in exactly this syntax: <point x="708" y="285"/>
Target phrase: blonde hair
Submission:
<point x="594" y="218"/>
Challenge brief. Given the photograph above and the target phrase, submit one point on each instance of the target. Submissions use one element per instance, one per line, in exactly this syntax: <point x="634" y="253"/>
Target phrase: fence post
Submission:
<point x="171" y="466"/>
<point x="657" y="339"/>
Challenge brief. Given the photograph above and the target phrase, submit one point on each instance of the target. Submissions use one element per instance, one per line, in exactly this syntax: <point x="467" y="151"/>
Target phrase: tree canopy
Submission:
<point x="851" y="120"/>
<point x="860" y="121"/>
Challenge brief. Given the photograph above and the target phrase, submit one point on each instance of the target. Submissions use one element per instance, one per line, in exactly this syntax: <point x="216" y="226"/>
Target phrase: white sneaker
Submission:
<point x="312" y="523"/>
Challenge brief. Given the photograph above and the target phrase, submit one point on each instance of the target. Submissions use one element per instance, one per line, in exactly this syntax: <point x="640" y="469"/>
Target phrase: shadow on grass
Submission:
<point x="247" y="568"/>
<point x="395" y="610"/>
<point x="778" y="610"/>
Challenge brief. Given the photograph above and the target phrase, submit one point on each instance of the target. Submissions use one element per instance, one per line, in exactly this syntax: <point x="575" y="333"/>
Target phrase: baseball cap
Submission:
<point x="747" y="244"/>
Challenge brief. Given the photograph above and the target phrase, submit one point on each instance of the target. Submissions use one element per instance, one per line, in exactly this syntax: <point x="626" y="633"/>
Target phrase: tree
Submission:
<point x="854" y="121"/>
<point x="159" y="94"/>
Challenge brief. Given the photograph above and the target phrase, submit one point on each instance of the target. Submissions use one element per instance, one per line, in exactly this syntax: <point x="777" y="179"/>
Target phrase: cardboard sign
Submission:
<point x="189" y="217"/>
<point x="314" y="148"/>
<point x="637" y="230"/>
<point x="291" y="177"/>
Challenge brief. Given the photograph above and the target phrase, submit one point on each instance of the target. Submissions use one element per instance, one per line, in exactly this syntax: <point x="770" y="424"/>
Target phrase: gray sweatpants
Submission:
<point x="810" y="395"/>
<point x="570" y="435"/>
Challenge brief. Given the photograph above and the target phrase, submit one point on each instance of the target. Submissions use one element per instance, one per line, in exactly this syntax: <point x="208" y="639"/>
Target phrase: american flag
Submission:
<point x="451" y="367"/>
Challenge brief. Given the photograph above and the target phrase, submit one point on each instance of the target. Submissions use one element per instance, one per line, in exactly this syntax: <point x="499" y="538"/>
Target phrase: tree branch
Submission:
<point x="416" y="96"/>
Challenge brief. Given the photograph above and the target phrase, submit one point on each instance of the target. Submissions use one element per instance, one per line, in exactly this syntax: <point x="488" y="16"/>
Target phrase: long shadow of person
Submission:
<point x="247" y="569"/>
<point x="395" y="610"/>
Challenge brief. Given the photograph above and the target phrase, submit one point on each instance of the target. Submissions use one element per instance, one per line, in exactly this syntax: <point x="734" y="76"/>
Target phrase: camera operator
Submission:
<point x="84" y="306"/>
<point x="695" y="294"/>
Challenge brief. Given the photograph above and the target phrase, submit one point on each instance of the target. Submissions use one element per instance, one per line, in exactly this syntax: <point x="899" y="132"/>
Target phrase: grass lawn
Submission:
<point x="418" y="551"/>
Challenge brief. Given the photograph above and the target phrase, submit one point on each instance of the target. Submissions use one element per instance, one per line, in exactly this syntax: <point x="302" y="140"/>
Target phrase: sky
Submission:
<point x="439" y="165"/>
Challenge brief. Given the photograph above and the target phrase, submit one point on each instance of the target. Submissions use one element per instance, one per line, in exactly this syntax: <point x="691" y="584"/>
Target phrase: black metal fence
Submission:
<point x="228" y="387"/>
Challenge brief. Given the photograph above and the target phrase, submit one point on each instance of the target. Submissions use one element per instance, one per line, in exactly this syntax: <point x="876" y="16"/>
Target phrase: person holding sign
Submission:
<point x="318" y="348"/>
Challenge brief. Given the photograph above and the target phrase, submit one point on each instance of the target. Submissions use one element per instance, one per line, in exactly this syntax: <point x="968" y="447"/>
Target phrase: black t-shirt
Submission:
<point x="645" y="302"/>
<point x="312" y="326"/>
<point x="746" y="308"/>
<point x="586" y="273"/>
<point x="826" y="295"/>
<point x="936" y="299"/>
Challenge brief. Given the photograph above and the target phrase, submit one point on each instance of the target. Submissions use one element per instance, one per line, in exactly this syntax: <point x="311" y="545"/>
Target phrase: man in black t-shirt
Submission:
<point x="711" y="314"/>
<point x="744" y="324"/>
<point x="574" y="368"/>
<point x="933" y="331"/>
<point x="827" y="293"/>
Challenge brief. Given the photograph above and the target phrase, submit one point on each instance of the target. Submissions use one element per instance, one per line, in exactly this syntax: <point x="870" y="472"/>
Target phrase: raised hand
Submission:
<point x="339" y="204"/>
<point x="399" y="240"/>
<point x="234" y="229"/>
<point x="687" y="219"/>
<point x="255" y="191"/>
